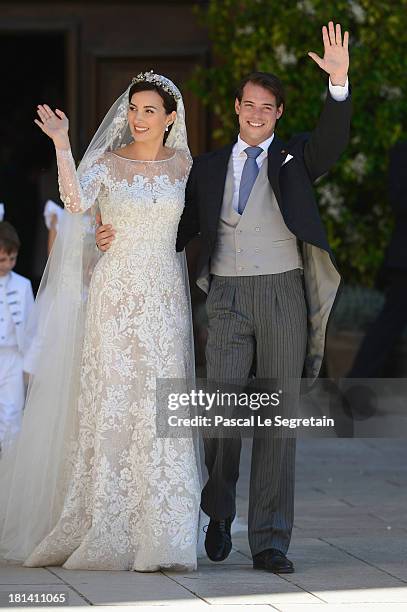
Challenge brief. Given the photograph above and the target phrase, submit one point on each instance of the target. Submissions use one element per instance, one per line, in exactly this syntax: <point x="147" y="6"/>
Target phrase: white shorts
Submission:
<point x="11" y="391"/>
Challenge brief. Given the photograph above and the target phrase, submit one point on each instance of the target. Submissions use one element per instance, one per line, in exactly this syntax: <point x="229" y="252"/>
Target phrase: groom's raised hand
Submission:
<point x="336" y="56"/>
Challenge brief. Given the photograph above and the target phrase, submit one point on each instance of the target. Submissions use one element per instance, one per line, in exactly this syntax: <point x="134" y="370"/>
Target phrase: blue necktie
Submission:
<point x="249" y="175"/>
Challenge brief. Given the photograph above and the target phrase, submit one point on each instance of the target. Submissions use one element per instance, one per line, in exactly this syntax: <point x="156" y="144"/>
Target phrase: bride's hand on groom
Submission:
<point x="54" y="124"/>
<point x="336" y="55"/>
<point x="105" y="234"/>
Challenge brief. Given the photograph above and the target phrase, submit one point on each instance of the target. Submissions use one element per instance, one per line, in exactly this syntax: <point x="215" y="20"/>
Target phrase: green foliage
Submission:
<point x="275" y="36"/>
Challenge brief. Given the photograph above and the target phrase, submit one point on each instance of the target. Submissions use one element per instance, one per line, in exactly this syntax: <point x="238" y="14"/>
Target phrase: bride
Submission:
<point x="89" y="484"/>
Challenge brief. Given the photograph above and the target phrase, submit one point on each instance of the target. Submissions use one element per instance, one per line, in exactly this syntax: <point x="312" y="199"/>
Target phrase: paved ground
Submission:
<point x="349" y="546"/>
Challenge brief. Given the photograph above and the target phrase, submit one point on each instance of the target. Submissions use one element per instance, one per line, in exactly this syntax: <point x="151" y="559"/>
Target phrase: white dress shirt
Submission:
<point x="338" y="92"/>
<point x="8" y="335"/>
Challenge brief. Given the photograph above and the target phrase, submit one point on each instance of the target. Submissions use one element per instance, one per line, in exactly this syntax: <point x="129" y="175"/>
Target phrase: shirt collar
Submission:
<point x="242" y="145"/>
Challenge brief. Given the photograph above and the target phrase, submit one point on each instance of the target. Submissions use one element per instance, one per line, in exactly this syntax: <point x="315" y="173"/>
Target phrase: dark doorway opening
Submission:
<point x="32" y="71"/>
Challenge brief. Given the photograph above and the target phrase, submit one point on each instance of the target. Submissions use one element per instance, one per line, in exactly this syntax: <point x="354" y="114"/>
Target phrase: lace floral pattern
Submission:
<point x="133" y="498"/>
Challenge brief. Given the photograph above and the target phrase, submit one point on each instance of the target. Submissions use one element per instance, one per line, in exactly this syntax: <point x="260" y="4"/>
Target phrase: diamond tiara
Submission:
<point x="160" y="80"/>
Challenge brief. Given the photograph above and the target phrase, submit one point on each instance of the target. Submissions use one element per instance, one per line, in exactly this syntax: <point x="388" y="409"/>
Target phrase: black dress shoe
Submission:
<point x="273" y="560"/>
<point x="218" y="542"/>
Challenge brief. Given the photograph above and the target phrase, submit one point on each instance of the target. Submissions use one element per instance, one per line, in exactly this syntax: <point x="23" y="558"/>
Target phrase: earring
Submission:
<point x="166" y="129"/>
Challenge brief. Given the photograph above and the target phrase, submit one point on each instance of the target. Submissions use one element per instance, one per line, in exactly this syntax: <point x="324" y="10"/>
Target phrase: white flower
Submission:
<point x="390" y="92"/>
<point x="306" y="7"/>
<point x="248" y="29"/>
<point x="352" y="234"/>
<point x="357" y="11"/>
<point x="357" y="166"/>
<point x="332" y="199"/>
<point x="285" y="57"/>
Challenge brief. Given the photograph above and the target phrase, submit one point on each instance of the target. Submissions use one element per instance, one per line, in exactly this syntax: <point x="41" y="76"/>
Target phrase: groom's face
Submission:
<point x="258" y="113"/>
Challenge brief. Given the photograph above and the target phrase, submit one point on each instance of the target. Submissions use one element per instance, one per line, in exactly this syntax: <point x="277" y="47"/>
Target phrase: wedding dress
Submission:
<point x="133" y="501"/>
<point x="103" y="490"/>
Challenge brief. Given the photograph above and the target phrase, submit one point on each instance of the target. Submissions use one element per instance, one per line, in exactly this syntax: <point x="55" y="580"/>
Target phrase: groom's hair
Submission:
<point x="264" y="79"/>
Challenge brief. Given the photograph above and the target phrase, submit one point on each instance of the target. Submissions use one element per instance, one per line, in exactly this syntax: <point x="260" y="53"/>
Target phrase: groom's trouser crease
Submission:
<point x="262" y="316"/>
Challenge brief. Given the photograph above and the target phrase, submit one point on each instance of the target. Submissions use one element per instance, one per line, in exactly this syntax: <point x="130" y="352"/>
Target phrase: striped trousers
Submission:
<point x="262" y="320"/>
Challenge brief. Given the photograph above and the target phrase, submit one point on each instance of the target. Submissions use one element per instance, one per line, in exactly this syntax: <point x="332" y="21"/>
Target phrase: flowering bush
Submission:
<point x="275" y="36"/>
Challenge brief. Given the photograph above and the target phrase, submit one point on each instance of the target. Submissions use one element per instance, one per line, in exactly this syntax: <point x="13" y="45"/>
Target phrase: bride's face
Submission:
<point x="147" y="116"/>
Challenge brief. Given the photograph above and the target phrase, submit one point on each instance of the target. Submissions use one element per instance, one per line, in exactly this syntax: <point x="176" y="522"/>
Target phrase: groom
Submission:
<point x="271" y="281"/>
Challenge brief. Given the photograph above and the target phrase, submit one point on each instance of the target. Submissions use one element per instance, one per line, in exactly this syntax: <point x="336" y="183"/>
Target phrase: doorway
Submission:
<point x="33" y="71"/>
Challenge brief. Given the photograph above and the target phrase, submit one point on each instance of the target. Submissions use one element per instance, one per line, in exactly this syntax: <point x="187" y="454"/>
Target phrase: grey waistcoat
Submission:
<point x="258" y="241"/>
<point x="321" y="279"/>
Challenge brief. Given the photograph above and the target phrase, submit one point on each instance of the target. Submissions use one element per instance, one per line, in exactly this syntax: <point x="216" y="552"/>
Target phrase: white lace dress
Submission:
<point x="133" y="498"/>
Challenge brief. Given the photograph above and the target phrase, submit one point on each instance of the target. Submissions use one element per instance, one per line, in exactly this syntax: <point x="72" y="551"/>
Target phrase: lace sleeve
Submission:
<point x="78" y="194"/>
<point x="185" y="162"/>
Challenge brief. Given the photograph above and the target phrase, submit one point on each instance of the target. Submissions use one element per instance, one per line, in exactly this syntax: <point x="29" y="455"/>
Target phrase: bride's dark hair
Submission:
<point x="169" y="101"/>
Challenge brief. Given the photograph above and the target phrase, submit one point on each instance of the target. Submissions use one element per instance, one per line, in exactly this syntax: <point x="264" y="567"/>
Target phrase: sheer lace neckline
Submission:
<point x="145" y="161"/>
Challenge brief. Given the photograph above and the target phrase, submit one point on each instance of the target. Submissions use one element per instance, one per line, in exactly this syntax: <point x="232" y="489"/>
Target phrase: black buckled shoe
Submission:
<point x="218" y="541"/>
<point x="273" y="560"/>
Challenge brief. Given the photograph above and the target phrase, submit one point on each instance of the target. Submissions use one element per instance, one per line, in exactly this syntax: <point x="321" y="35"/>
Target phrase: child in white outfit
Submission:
<point x="16" y="300"/>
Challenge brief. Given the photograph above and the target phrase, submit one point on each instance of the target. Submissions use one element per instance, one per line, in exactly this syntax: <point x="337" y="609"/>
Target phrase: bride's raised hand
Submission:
<point x="53" y="124"/>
